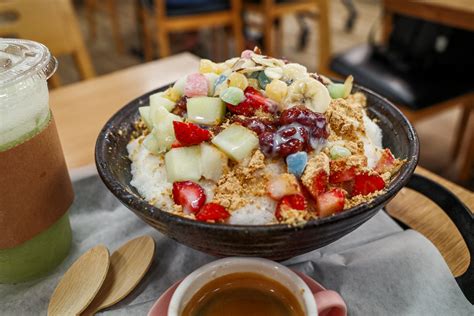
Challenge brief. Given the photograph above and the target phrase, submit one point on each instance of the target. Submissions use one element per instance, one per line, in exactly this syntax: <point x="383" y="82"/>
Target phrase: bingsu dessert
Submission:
<point x="257" y="140"/>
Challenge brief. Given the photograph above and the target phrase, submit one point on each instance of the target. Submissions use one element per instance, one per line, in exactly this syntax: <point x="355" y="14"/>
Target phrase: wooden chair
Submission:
<point x="167" y="22"/>
<point x="273" y="10"/>
<point x="418" y="94"/>
<point x="53" y="23"/>
<point x="110" y="6"/>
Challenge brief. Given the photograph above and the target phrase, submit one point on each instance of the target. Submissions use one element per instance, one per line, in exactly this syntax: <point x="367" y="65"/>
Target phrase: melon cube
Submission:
<point x="205" y="110"/>
<point x="145" y="115"/>
<point x="183" y="164"/>
<point x="151" y="143"/>
<point x="236" y="141"/>
<point x="213" y="162"/>
<point x="163" y="129"/>
<point x="158" y="100"/>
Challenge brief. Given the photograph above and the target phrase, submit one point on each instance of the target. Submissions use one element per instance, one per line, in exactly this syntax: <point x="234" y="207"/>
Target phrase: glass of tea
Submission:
<point x="35" y="188"/>
<point x="250" y="286"/>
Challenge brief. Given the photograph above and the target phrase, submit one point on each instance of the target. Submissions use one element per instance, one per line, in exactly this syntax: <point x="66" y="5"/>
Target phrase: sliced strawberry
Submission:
<point x="189" y="134"/>
<point x="254" y="101"/>
<point x="212" y="212"/>
<point x="365" y="184"/>
<point x="330" y="202"/>
<point x="386" y="162"/>
<point x="320" y="182"/>
<point x="347" y="174"/>
<point x="281" y="185"/>
<point x="293" y="201"/>
<point x="189" y="195"/>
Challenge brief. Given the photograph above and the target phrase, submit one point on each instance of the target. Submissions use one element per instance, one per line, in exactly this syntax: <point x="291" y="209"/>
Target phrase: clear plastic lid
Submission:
<point x="24" y="100"/>
<point x="21" y="59"/>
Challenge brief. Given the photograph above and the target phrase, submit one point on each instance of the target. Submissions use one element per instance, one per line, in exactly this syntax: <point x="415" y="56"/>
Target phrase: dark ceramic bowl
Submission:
<point x="271" y="241"/>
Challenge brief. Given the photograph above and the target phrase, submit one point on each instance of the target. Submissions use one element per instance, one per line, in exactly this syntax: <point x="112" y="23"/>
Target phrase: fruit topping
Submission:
<point x="236" y="141"/>
<point x="281" y="185"/>
<point x="387" y="163"/>
<point x="316" y="175"/>
<point x="293" y="202"/>
<point x="341" y="90"/>
<point x="365" y="183"/>
<point x="163" y="129"/>
<point x="189" y="195"/>
<point x="212" y="212"/>
<point x="238" y="80"/>
<point x="213" y="162"/>
<point x="340" y="172"/>
<point x="232" y="95"/>
<point x="310" y="93"/>
<point x="254" y="101"/>
<point x="189" y="134"/>
<point x="196" y="85"/>
<point x="145" y="115"/>
<point x="296" y="163"/>
<point x="330" y="202"/>
<point x="276" y="90"/>
<point x="183" y="163"/>
<point x="211" y="80"/>
<point x="158" y="100"/>
<point x="205" y="110"/>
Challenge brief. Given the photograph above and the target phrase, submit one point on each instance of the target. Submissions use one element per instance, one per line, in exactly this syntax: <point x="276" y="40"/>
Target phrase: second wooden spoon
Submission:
<point x="128" y="265"/>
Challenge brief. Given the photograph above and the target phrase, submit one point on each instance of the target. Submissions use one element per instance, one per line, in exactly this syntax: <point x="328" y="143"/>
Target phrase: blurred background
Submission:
<point x="419" y="54"/>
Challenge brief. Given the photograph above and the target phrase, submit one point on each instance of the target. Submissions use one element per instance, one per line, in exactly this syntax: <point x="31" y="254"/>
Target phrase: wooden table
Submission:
<point x="82" y="109"/>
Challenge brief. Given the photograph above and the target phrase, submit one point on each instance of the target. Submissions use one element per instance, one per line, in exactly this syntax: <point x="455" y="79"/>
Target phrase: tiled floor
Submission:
<point x="436" y="142"/>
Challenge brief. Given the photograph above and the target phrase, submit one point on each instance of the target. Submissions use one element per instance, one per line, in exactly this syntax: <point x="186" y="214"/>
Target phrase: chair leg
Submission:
<point x="147" y="44"/>
<point x="267" y="35"/>
<point x="114" y="19"/>
<point x="237" y="26"/>
<point x="461" y="131"/>
<point x="90" y="12"/>
<point x="163" y="42"/>
<point x="324" y="44"/>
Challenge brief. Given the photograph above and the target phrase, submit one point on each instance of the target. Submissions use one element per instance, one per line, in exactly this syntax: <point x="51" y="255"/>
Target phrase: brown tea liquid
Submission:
<point x="248" y="294"/>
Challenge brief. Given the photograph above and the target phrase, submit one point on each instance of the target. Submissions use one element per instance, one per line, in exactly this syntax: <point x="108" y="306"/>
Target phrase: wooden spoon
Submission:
<point x="75" y="292"/>
<point x="128" y="265"/>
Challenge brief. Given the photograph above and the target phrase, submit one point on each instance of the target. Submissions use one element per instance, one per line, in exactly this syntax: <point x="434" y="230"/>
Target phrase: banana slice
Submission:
<point x="293" y="71"/>
<point x="308" y="92"/>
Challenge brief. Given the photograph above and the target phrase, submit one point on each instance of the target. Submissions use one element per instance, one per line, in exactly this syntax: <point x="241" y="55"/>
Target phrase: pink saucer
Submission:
<point x="160" y="308"/>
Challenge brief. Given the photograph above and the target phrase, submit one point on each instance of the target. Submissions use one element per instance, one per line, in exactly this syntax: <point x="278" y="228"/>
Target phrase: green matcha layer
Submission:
<point x="40" y="125"/>
<point x="37" y="256"/>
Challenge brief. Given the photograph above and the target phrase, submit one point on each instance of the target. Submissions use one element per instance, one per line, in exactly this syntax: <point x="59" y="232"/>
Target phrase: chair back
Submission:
<point x="51" y="22"/>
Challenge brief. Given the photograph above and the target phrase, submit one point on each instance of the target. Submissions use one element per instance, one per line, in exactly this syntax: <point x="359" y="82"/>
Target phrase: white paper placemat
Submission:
<point x="379" y="269"/>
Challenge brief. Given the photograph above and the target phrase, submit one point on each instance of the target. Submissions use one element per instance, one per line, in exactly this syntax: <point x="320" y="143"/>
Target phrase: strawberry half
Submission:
<point x="319" y="184"/>
<point x="293" y="201"/>
<point x="386" y="162"/>
<point x="254" y="101"/>
<point x="330" y="202"/>
<point x="212" y="212"/>
<point x="189" y="195"/>
<point x="347" y="174"/>
<point x="365" y="184"/>
<point x="189" y="134"/>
